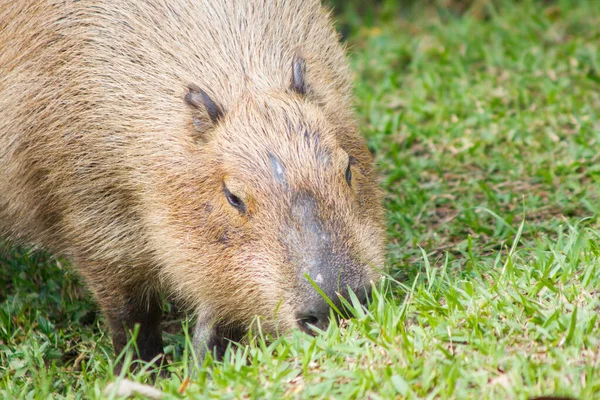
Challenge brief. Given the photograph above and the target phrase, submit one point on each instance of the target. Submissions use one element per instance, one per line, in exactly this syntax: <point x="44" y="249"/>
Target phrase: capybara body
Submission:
<point x="203" y="149"/>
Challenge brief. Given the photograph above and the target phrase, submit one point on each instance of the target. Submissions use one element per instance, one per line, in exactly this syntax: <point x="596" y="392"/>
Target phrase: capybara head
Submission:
<point x="288" y="193"/>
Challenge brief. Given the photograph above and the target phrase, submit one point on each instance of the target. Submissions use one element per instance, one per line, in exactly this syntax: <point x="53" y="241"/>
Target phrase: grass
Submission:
<point x="485" y="125"/>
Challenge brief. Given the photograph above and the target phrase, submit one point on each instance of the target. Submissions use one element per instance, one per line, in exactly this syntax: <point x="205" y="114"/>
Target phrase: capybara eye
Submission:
<point x="349" y="174"/>
<point x="235" y="201"/>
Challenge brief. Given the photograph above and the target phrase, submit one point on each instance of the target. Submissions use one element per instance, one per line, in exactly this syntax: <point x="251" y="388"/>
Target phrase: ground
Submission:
<point x="484" y="122"/>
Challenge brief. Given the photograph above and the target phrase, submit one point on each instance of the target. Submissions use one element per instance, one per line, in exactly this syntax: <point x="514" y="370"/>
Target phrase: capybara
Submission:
<point x="201" y="149"/>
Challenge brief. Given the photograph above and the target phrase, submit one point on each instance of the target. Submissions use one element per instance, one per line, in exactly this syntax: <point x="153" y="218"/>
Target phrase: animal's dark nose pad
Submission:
<point x="314" y="316"/>
<point x="316" y="313"/>
<point x="307" y="323"/>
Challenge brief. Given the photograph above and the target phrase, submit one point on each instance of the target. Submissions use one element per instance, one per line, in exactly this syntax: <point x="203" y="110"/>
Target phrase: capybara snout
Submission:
<point x="323" y="255"/>
<point x="202" y="149"/>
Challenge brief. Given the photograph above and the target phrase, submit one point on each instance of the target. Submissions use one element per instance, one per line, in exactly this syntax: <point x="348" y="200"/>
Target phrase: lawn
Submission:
<point x="484" y="122"/>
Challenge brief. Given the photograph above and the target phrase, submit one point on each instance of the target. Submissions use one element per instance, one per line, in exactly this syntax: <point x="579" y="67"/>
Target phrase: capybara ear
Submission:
<point x="198" y="98"/>
<point x="210" y="112"/>
<point x="298" y="72"/>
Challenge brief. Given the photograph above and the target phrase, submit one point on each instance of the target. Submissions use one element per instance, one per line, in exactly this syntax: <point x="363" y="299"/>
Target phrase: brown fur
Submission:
<point x="103" y="161"/>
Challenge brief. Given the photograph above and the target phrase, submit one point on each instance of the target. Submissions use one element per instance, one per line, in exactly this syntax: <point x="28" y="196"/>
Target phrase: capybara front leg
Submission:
<point x="130" y="310"/>
<point x="212" y="336"/>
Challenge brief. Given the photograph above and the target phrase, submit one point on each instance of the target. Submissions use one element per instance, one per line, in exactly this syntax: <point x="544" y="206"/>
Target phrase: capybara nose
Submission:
<point x="315" y="314"/>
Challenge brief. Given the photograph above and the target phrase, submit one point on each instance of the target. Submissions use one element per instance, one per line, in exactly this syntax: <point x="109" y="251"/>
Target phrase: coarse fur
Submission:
<point x="125" y="126"/>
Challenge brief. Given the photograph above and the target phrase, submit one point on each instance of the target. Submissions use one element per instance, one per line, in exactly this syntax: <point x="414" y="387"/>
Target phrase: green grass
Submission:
<point x="486" y="130"/>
